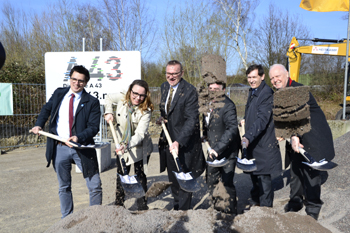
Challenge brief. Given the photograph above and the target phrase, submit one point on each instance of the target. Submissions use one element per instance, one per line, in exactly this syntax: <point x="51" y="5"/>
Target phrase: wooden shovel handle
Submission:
<point x="56" y="137"/>
<point x="170" y="142"/>
<point x="243" y="127"/>
<point x="116" y="143"/>
<point x="206" y="143"/>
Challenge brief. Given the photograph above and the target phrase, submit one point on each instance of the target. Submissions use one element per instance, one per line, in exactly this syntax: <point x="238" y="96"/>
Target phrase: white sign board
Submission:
<point x="110" y="72"/>
<point x="325" y="50"/>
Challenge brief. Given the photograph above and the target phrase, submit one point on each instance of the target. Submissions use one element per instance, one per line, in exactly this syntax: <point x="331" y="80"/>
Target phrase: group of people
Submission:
<point x="179" y="111"/>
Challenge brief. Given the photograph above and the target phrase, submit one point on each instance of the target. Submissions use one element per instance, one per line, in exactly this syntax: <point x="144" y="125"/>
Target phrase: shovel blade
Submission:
<point x="190" y="184"/>
<point x="246" y="167"/>
<point x="131" y="188"/>
<point x="218" y="163"/>
<point x="324" y="167"/>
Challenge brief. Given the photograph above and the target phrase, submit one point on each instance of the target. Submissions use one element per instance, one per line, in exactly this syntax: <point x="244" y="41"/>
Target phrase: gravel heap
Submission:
<point x="334" y="216"/>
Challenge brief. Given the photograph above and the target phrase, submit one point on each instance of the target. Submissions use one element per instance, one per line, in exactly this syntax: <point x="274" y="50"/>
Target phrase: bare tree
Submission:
<point x="274" y="34"/>
<point x="14" y="32"/>
<point x="189" y="33"/>
<point x="129" y="25"/>
<point x="237" y="20"/>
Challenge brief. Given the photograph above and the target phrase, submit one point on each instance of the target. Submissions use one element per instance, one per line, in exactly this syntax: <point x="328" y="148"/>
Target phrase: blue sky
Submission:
<point x="328" y="25"/>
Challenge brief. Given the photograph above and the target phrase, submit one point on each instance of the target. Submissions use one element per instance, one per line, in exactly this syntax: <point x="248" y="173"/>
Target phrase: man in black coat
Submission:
<point x="260" y="137"/>
<point x="179" y="106"/>
<point x="221" y="130"/>
<point x="305" y="184"/>
<point x="75" y="115"/>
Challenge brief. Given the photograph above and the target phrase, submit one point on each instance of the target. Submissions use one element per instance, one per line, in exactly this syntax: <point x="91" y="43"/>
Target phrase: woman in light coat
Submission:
<point x="133" y="114"/>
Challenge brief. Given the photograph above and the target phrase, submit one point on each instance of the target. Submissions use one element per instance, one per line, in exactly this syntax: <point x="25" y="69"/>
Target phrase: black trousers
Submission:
<point x="141" y="176"/>
<point x="262" y="192"/>
<point x="305" y="186"/>
<point x="226" y="174"/>
<point x="182" y="199"/>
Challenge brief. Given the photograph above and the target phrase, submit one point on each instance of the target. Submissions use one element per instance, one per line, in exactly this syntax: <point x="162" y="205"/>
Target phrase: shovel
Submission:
<point x="74" y="144"/>
<point x="322" y="165"/>
<point x="131" y="185"/>
<point x="244" y="164"/>
<point x="216" y="163"/>
<point x="186" y="181"/>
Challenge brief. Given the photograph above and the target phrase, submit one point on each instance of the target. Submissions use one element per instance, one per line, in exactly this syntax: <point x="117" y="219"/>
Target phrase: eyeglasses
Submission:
<point x="141" y="96"/>
<point x="173" y="74"/>
<point x="74" y="80"/>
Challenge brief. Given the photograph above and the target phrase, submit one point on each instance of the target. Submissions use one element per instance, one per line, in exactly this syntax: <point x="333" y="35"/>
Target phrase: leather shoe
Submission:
<point x="250" y="206"/>
<point x="314" y="216"/>
<point x="288" y="208"/>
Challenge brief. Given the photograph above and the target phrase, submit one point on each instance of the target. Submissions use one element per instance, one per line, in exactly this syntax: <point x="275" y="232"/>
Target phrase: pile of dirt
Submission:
<point x="118" y="219"/>
<point x="334" y="216"/>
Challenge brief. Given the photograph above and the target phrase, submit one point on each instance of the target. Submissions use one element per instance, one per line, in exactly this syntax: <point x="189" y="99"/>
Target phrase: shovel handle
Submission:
<point x="206" y="143"/>
<point x="244" y="146"/>
<point x="125" y="170"/>
<point x="119" y="154"/>
<point x="304" y="153"/>
<point x="175" y="156"/>
<point x="243" y="127"/>
<point x="58" y="138"/>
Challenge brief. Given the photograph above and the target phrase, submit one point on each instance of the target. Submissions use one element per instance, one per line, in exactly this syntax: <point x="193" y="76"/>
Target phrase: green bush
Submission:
<point x="15" y="72"/>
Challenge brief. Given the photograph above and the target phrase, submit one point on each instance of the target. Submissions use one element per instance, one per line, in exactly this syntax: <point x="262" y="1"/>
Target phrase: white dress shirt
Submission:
<point x="63" y="114"/>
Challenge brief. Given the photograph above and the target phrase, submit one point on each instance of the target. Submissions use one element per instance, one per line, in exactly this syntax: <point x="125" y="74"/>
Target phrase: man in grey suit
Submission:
<point x="221" y="130"/>
<point x="179" y="110"/>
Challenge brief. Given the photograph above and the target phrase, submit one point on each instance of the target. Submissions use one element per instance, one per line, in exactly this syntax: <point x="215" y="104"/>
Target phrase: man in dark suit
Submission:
<point x="75" y="115"/>
<point x="260" y="138"/>
<point x="221" y="130"/>
<point x="305" y="183"/>
<point x="179" y="109"/>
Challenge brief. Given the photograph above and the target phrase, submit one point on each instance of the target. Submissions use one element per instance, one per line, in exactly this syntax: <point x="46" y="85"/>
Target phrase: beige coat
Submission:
<point x="140" y="144"/>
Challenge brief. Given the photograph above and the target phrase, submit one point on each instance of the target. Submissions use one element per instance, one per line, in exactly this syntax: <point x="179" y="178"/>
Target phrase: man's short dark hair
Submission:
<point x="80" y="70"/>
<point x="219" y="83"/>
<point x="174" y="62"/>
<point x="255" y="67"/>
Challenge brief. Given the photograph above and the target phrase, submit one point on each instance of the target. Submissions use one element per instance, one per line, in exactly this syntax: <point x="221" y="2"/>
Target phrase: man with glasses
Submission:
<point x="75" y="115"/>
<point x="179" y="110"/>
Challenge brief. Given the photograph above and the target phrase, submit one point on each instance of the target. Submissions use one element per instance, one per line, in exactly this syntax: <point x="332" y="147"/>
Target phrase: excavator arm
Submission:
<point x="295" y="53"/>
<point x="337" y="48"/>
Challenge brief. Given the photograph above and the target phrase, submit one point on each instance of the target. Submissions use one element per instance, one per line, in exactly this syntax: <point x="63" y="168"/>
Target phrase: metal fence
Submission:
<point x="28" y="99"/>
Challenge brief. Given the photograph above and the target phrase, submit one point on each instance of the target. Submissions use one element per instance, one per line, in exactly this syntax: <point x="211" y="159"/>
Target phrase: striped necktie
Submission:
<point x="169" y="100"/>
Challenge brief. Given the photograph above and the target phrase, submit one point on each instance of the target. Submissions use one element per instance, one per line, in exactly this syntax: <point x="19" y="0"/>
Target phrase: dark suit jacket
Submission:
<point x="85" y="126"/>
<point x="222" y="131"/>
<point x="319" y="141"/>
<point x="260" y="131"/>
<point x="183" y="127"/>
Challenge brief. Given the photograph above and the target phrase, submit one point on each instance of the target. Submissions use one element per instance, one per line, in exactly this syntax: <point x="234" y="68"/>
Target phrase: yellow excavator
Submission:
<point x="337" y="48"/>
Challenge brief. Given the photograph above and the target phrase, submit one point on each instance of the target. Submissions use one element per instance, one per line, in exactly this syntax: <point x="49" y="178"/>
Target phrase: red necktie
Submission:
<point x="71" y="114"/>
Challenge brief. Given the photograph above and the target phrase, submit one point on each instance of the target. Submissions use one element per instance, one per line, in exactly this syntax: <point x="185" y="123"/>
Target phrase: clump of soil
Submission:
<point x="291" y="113"/>
<point x="157" y="188"/>
<point x="213" y="71"/>
<point x="222" y="198"/>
